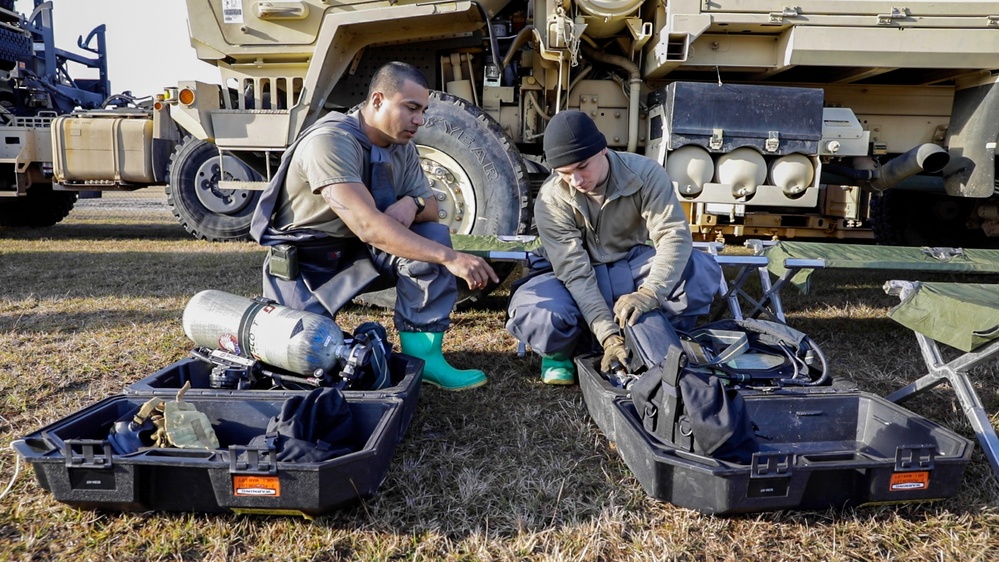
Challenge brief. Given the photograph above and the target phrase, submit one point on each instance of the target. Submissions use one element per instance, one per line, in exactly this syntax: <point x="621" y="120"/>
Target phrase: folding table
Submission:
<point x="521" y="249"/>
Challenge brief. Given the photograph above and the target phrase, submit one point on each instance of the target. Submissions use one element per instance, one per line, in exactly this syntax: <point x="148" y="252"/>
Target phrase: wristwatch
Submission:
<point x="420" y="204"/>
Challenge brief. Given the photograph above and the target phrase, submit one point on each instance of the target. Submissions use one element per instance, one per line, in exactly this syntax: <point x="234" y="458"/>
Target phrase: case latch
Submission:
<point x="87" y="453"/>
<point x="769" y="465"/>
<point x="252" y="460"/>
<point x="896" y="14"/>
<point x="914" y="457"/>
<point x="788" y="13"/>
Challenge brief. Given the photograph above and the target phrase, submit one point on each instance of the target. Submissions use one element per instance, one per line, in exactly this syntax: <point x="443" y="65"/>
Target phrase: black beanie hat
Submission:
<point x="571" y="136"/>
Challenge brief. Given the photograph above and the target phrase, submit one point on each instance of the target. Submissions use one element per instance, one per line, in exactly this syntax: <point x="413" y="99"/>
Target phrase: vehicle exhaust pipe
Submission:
<point x="927" y="157"/>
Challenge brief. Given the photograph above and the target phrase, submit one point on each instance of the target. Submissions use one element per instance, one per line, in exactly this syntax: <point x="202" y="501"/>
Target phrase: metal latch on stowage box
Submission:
<point x="717" y="139"/>
<point x="92" y="453"/>
<point x="770" y="474"/>
<point x="773" y="141"/>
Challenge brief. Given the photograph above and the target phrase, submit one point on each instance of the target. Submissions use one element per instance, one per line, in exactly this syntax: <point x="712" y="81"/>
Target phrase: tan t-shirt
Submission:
<point x="328" y="156"/>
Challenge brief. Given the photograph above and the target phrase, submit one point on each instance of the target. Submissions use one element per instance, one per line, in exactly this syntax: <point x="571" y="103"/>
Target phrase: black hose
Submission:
<point x="493" y="43"/>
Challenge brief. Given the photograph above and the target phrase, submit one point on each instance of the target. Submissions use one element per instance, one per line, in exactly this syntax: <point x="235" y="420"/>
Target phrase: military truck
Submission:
<point x="829" y="119"/>
<point x="36" y="86"/>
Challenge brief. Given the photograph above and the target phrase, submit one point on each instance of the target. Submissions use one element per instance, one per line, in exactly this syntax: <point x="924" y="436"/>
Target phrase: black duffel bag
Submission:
<point x="687" y="390"/>
<point x="691" y="410"/>
<point x="310" y="428"/>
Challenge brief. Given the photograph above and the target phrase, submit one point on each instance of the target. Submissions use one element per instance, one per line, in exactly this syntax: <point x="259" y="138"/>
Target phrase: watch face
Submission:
<point x="420" y="203"/>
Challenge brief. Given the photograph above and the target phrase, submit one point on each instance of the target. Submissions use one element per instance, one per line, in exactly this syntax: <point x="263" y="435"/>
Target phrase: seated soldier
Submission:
<point x="595" y="216"/>
<point x="351" y="198"/>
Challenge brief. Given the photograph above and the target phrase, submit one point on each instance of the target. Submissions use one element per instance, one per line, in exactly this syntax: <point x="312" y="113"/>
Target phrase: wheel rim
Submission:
<point x="456" y="204"/>
<point x="222" y="201"/>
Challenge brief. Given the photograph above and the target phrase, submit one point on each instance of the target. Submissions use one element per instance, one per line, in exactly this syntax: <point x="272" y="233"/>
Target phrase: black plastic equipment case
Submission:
<point x="405" y="372"/>
<point x="73" y="459"/>
<point x="598" y="393"/>
<point x="818" y="450"/>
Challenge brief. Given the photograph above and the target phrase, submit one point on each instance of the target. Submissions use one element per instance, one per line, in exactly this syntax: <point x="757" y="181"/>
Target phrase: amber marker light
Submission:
<point x="186" y="96"/>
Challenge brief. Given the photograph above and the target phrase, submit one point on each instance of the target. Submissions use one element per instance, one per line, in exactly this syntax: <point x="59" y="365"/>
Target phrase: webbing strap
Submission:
<point x="670" y="388"/>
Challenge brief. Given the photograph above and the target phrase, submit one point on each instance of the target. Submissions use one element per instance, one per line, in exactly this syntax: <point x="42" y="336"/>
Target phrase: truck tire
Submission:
<point x="41" y="207"/>
<point x="915" y="218"/>
<point x="461" y="146"/>
<point x="478" y="177"/>
<point x="204" y="210"/>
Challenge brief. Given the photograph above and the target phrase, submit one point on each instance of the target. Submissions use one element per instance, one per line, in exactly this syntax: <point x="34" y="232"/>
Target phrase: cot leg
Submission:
<point x="956" y="374"/>
<point x="980" y="421"/>
<point x="925" y="382"/>
<point x="730" y="295"/>
<point x="771" y="295"/>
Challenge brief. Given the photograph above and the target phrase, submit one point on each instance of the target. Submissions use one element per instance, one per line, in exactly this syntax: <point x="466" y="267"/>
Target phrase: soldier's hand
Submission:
<point x="629" y="308"/>
<point x="614" y="350"/>
<point x="473" y="269"/>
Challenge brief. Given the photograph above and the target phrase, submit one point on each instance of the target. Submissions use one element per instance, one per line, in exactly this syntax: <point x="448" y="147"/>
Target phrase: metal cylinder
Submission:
<point x="293" y="340"/>
<point x="605" y="18"/>
<point x="793" y="174"/>
<point x="743" y="168"/>
<point x="690" y="167"/>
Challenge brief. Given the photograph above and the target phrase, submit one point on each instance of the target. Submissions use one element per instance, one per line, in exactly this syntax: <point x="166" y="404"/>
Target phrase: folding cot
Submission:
<point x="794" y="262"/>
<point x="964" y="316"/>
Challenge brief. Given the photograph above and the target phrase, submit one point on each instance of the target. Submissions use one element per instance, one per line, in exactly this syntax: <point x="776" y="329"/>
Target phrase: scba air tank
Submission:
<point x="289" y="339"/>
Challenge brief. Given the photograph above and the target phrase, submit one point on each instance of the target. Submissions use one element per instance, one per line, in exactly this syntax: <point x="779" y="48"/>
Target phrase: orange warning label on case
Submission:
<point x="259" y="486"/>
<point x="901" y="481"/>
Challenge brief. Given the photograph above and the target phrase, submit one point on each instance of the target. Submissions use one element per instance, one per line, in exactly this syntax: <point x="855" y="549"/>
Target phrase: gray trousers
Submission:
<point x="425" y="293"/>
<point x="543" y="314"/>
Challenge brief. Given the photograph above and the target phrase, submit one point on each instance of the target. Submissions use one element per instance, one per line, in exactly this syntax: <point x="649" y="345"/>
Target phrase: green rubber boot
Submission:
<point x="557" y="369"/>
<point x="436" y="371"/>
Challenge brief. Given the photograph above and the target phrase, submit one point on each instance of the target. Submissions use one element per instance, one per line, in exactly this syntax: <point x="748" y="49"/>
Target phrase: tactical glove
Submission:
<point x="614" y="350"/>
<point x="629" y="308"/>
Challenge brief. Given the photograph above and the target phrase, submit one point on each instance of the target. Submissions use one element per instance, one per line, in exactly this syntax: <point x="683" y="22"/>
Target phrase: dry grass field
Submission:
<point x="515" y="470"/>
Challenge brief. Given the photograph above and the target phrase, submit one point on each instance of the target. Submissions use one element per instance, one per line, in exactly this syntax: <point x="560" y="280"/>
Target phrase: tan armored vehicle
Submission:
<point x="773" y="119"/>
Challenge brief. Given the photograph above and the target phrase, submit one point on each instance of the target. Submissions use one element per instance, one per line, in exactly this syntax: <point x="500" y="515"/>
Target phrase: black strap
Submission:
<point x="381" y="187"/>
<point x="670" y="389"/>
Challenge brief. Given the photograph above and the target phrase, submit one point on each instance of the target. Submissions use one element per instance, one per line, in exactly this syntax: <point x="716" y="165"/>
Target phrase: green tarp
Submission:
<point x="961" y="315"/>
<point x="897" y="258"/>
